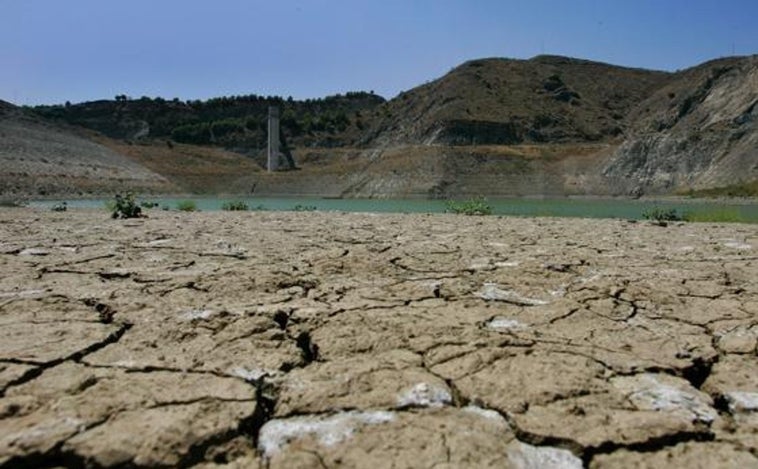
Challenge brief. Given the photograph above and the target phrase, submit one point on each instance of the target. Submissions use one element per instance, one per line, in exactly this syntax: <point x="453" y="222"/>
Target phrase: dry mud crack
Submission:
<point x="284" y="340"/>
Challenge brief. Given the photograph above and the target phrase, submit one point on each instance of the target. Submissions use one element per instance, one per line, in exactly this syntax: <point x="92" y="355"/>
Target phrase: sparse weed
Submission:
<point x="234" y="206"/>
<point x="661" y="216"/>
<point x="60" y="207"/>
<point x="186" y="206"/>
<point x="475" y="206"/>
<point x="125" y="207"/>
<point x="304" y="208"/>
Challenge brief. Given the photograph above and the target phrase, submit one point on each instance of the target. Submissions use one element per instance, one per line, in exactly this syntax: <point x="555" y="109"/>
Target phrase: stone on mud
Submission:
<point x="524" y="456"/>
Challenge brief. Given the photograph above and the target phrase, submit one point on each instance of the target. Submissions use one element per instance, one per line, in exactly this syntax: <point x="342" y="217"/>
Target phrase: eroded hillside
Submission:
<point x="503" y="101"/>
<point x="699" y="131"/>
<point x="499" y="127"/>
<point x="39" y="159"/>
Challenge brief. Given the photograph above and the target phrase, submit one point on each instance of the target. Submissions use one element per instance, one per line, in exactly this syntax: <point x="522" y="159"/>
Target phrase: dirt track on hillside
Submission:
<point x="356" y="340"/>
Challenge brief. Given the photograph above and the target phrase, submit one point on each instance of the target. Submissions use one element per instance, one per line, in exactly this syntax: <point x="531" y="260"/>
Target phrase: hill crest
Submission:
<point x="508" y="101"/>
<point x="545" y="125"/>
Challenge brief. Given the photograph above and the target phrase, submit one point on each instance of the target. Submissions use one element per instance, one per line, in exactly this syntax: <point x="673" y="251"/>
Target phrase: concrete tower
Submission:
<point x="273" y="138"/>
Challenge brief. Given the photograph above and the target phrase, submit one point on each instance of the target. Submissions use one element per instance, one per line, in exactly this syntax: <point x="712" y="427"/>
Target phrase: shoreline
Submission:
<point x="586" y="207"/>
<point x="645" y="198"/>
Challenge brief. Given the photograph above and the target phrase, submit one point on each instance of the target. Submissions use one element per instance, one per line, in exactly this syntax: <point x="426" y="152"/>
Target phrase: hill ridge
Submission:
<point x="547" y="124"/>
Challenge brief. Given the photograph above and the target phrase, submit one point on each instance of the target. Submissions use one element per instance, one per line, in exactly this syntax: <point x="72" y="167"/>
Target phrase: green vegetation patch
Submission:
<point x="227" y="121"/>
<point x="124" y="206"/>
<point x="662" y="215"/>
<point x="235" y="206"/>
<point x="186" y="206"/>
<point x="475" y="206"/>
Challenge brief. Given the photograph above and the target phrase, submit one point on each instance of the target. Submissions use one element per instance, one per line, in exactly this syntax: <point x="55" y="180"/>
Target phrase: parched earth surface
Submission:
<point x="294" y="340"/>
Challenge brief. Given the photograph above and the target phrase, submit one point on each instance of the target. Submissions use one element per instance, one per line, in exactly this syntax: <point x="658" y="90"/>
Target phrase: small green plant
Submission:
<point x="60" y="207"/>
<point x="186" y="206"/>
<point x="662" y="216"/>
<point x="148" y="204"/>
<point x="304" y="208"/>
<point x="125" y="207"/>
<point x="475" y="206"/>
<point x="165" y="207"/>
<point x="235" y="205"/>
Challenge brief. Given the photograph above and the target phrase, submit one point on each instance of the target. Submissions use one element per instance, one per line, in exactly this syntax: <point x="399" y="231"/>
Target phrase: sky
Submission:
<point x="52" y="51"/>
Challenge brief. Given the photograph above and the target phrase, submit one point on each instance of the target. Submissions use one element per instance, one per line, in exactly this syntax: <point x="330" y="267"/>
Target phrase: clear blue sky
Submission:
<point x="57" y="50"/>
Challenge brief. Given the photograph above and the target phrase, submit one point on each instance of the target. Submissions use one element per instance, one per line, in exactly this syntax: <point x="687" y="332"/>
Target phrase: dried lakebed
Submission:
<point x="283" y="340"/>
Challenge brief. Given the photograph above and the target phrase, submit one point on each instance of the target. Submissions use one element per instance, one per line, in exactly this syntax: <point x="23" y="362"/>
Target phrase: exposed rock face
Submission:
<point x="699" y="131"/>
<point x="695" y="129"/>
<point x="287" y="340"/>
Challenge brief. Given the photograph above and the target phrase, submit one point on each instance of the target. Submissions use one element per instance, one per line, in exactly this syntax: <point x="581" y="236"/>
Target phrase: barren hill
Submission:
<point x="698" y="131"/>
<point x="547" y="99"/>
<point x="499" y="127"/>
<point x="556" y="125"/>
<point x="39" y="159"/>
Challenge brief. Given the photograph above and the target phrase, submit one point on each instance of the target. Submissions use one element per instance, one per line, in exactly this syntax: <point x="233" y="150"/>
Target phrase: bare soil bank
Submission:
<point x="323" y="339"/>
<point x="38" y="159"/>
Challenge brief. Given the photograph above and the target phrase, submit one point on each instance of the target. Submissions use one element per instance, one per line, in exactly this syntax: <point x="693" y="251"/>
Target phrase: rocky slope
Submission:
<point x="503" y="101"/>
<point x="698" y="131"/>
<point x="545" y="126"/>
<point x="281" y="340"/>
<point x="436" y="171"/>
<point x="655" y="133"/>
<point x="39" y="159"/>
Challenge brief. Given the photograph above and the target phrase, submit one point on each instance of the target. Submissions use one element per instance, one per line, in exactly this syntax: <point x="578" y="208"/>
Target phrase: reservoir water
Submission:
<point x="564" y="207"/>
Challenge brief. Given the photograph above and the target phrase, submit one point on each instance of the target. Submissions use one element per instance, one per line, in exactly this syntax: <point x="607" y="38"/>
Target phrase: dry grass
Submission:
<point x="519" y="92"/>
<point x="193" y="168"/>
<point x="745" y="189"/>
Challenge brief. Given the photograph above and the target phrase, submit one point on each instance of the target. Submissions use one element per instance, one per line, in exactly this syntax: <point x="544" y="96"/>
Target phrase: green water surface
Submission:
<point x="564" y="207"/>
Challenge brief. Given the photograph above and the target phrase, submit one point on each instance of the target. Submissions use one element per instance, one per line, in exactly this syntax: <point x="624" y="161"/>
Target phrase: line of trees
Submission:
<point x="206" y="132"/>
<point x="236" y="121"/>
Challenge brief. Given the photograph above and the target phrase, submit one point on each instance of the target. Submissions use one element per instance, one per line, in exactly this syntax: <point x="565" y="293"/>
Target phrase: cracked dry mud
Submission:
<point x="288" y="340"/>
